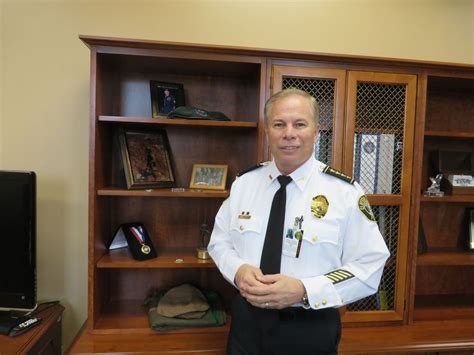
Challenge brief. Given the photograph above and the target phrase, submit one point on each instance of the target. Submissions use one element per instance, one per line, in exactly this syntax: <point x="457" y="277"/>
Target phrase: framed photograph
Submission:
<point x="146" y="159"/>
<point x="453" y="162"/>
<point x="208" y="176"/>
<point x="165" y="97"/>
<point x="470" y="228"/>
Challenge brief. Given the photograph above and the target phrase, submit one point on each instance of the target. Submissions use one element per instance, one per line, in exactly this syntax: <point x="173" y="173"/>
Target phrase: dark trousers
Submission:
<point x="297" y="331"/>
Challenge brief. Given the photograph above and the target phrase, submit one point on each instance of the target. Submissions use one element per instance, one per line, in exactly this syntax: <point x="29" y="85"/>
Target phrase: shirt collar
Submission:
<point x="272" y="172"/>
<point x="300" y="176"/>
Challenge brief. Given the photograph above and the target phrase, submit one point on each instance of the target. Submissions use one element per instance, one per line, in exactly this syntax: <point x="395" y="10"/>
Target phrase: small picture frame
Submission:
<point x="146" y="159"/>
<point x="470" y="228"/>
<point x="208" y="177"/>
<point x="165" y="97"/>
<point x="454" y="162"/>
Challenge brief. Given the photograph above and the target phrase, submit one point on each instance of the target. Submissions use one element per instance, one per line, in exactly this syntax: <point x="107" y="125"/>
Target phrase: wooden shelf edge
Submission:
<point x="442" y="307"/>
<point x="147" y="331"/>
<point x="454" y="258"/>
<point x="419" y="336"/>
<point x="167" y="259"/>
<point x="150" y="342"/>
<point x="449" y="134"/>
<point x="177" y="122"/>
<point x="187" y="193"/>
<point x="449" y="198"/>
<point x="131" y="317"/>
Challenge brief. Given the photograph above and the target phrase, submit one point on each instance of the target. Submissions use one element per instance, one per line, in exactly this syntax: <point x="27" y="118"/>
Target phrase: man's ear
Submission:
<point x="317" y="134"/>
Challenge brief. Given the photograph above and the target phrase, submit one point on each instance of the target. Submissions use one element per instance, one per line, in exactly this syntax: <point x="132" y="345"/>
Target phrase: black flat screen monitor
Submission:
<point x="17" y="240"/>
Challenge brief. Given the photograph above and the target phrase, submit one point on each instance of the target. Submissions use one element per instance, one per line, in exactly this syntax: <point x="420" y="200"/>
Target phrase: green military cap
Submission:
<point x="191" y="112"/>
<point x="184" y="301"/>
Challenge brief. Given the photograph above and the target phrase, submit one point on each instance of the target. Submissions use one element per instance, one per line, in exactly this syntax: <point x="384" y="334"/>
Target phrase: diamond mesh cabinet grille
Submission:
<point x="323" y="90"/>
<point x="388" y="220"/>
<point x="379" y="127"/>
<point x="378" y="141"/>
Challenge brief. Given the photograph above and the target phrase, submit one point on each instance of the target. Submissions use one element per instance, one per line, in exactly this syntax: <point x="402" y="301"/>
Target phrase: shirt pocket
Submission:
<point x="246" y="234"/>
<point x="321" y="242"/>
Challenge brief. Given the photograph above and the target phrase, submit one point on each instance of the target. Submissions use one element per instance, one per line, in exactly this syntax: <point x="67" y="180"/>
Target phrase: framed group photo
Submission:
<point x="208" y="177"/>
<point x="165" y="97"/>
<point x="146" y="159"/>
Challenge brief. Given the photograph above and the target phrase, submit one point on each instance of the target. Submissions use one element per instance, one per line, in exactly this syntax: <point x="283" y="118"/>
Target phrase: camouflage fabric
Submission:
<point x="184" y="301"/>
<point x="215" y="316"/>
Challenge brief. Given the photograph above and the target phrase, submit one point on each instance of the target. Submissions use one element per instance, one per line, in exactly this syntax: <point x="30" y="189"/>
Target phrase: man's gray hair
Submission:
<point x="313" y="104"/>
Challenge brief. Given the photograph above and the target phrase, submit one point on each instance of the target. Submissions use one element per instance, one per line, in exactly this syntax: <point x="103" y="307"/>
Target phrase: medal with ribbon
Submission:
<point x="140" y="237"/>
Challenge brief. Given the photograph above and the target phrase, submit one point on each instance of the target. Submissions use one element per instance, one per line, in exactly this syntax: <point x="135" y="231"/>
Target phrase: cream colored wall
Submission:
<point x="45" y="73"/>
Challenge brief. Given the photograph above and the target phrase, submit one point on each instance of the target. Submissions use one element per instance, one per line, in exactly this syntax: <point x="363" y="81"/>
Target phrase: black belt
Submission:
<point x="295" y="313"/>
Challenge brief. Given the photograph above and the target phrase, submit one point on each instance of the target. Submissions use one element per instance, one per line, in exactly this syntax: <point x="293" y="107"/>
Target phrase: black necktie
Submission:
<point x="271" y="253"/>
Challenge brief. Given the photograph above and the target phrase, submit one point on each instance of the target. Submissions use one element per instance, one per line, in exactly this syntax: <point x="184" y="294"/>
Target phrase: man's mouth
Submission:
<point x="289" y="148"/>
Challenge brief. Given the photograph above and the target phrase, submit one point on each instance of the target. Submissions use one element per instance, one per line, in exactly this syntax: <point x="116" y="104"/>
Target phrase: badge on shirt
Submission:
<point x="319" y="206"/>
<point x="364" y="207"/>
<point x="293" y="239"/>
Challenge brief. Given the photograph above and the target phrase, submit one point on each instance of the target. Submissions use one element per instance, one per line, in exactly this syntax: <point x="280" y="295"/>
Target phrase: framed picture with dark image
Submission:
<point x="208" y="177"/>
<point x="165" y="97"/>
<point x="470" y="228"/>
<point x="146" y="159"/>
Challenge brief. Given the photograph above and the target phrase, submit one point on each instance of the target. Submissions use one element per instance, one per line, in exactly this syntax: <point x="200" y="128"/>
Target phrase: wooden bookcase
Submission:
<point x="120" y="99"/>
<point x="438" y="111"/>
<point x="445" y="266"/>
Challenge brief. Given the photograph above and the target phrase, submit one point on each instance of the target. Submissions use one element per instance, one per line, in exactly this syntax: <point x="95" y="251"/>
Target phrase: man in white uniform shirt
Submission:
<point x="332" y="252"/>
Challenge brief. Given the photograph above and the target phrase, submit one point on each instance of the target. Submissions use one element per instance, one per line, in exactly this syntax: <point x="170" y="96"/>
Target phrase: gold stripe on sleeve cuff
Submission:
<point x="337" y="276"/>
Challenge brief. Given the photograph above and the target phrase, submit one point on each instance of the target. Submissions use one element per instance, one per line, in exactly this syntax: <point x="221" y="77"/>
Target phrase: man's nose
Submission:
<point x="289" y="132"/>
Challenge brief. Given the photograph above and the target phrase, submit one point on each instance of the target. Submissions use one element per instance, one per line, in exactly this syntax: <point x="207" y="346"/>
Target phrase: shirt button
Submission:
<point x="241" y="227"/>
<point x="314" y="239"/>
<point x="324" y="302"/>
<point x="316" y="305"/>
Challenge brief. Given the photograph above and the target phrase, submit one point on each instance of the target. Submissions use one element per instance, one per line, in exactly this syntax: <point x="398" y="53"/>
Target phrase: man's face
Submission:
<point x="291" y="132"/>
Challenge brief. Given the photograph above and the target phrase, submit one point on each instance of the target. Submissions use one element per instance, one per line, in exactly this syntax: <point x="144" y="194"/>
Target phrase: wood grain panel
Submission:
<point x="444" y="280"/>
<point x="444" y="226"/>
<point x="450" y="104"/>
<point x="136" y="284"/>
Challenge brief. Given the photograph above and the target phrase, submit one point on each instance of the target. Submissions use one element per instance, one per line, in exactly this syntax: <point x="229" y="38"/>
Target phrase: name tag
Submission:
<point x="461" y="180"/>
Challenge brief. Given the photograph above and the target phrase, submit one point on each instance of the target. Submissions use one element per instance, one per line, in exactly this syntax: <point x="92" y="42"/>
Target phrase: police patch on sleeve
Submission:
<point x="337" y="276"/>
<point x="364" y="207"/>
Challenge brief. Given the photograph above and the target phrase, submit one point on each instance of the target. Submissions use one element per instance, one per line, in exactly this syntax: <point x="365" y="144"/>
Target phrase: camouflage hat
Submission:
<point x="196" y="113"/>
<point x="185" y="301"/>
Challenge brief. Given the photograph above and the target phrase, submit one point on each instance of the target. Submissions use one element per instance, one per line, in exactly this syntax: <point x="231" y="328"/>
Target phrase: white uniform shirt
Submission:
<point x="343" y="239"/>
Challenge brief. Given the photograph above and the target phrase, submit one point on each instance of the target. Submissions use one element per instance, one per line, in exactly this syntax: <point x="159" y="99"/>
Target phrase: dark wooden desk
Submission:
<point x="44" y="339"/>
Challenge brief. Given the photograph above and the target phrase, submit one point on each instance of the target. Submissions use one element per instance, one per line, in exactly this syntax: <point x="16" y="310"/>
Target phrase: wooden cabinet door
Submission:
<point x="375" y="110"/>
<point x="327" y="87"/>
<point x="378" y="152"/>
